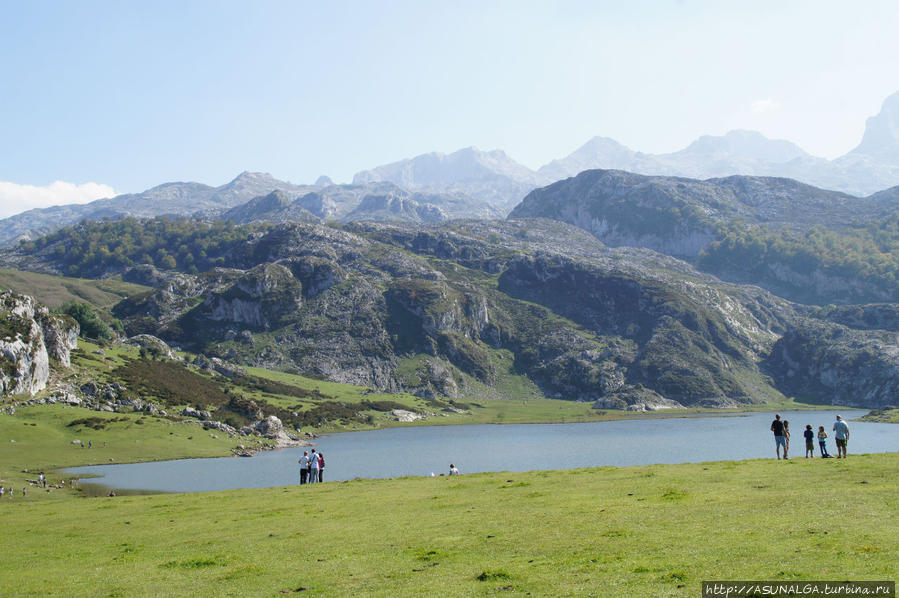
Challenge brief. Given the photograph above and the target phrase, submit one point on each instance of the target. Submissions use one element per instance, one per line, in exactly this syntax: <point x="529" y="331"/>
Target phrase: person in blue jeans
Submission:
<point x="822" y="442"/>
<point x="777" y="426"/>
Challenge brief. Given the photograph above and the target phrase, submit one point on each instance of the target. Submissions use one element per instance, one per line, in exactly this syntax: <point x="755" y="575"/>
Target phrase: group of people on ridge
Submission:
<point x="781" y="429"/>
<point x="312" y="467"/>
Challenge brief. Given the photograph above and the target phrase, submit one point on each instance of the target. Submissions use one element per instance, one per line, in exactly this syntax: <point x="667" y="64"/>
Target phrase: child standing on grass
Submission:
<point x="822" y="442"/>
<point x="786" y="438"/>
<point x="809" y="441"/>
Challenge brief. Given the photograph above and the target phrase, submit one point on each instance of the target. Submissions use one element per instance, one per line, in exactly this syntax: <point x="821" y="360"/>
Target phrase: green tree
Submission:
<point x="91" y="324"/>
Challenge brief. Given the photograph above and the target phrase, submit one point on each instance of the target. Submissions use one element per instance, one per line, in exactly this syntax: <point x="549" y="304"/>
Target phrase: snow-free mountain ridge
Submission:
<point x="489" y="184"/>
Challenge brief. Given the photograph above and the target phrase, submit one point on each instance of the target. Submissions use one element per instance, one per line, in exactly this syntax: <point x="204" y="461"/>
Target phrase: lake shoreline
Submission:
<point x="419" y="450"/>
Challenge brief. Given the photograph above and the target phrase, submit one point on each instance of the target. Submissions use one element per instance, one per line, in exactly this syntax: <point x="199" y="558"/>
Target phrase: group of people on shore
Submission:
<point x="781" y="429"/>
<point x="312" y="467"/>
<point x="41" y="483"/>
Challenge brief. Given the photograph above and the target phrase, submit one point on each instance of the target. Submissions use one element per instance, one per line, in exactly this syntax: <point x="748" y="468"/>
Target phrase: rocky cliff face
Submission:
<point x="29" y="337"/>
<point x="833" y="364"/>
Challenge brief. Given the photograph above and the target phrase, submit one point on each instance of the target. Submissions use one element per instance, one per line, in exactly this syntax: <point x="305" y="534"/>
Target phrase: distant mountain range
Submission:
<point x="254" y="196"/>
<point x="496" y="178"/>
<point x="471" y="183"/>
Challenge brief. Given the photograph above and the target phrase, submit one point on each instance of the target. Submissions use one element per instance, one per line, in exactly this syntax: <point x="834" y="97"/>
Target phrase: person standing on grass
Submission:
<point x="321" y="467"/>
<point x="314" y="467"/>
<point x="841" y="433"/>
<point x="777" y="426"/>
<point x="809" y="441"/>
<point x="304" y="467"/>
<point x="822" y="442"/>
<point x="786" y="437"/>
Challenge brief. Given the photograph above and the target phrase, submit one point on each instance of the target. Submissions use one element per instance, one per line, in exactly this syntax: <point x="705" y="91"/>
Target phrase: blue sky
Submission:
<point x="127" y="95"/>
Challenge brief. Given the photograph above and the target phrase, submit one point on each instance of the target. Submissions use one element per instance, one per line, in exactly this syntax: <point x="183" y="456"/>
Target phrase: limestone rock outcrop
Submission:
<point x="30" y="337"/>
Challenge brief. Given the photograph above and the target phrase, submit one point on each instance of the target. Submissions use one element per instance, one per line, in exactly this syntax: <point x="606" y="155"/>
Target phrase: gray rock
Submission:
<point x="269" y="427"/>
<point x="149" y="341"/>
<point x="217" y="425"/>
<point x="402" y="415"/>
<point x="195" y="413"/>
<point x="29" y="337"/>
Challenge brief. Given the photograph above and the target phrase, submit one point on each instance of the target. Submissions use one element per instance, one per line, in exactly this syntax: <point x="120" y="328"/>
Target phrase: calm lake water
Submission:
<point x="418" y="451"/>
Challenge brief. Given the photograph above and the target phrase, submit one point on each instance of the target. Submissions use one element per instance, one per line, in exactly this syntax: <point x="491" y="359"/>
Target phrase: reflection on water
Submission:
<point x="420" y="451"/>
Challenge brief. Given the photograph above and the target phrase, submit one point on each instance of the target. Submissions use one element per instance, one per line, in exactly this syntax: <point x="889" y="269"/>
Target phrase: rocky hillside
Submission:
<point x="442" y="311"/>
<point x="680" y="216"/>
<point x="838" y="365"/>
<point x="472" y="308"/>
<point x="804" y="243"/>
<point x="31" y="338"/>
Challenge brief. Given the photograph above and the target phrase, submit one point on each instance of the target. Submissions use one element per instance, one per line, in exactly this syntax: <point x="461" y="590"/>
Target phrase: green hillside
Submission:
<point x="53" y="291"/>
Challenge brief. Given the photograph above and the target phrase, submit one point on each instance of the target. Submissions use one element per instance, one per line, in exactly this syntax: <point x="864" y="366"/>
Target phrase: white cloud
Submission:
<point x="764" y="106"/>
<point x="15" y="198"/>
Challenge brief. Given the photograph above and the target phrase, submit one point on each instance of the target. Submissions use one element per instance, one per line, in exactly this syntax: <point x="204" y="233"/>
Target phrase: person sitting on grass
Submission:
<point x="822" y="442"/>
<point x="809" y="441"/>
<point x="454" y="470"/>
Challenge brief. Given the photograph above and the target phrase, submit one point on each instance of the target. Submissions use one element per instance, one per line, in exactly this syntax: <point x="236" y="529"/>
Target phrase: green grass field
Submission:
<point x="633" y="531"/>
<point x="40" y="439"/>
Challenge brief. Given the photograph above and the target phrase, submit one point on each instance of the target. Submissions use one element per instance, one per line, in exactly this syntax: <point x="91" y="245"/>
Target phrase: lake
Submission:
<point x="419" y="451"/>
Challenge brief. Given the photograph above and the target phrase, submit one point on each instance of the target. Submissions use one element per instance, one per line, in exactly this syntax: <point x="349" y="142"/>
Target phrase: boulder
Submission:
<point x="150" y="342"/>
<point x="401" y="415"/>
<point x="217" y="425"/>
<point x="89" y="389"/>
<point x="270" y="427"/>
<point x="195" y="413"/>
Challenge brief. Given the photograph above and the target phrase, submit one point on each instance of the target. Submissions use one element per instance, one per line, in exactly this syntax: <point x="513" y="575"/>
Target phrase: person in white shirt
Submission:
<point x="841" y="433"/>
<point x="454" y="470"/>
<point x="313" y="464"/>
<point x="304" y="467"/>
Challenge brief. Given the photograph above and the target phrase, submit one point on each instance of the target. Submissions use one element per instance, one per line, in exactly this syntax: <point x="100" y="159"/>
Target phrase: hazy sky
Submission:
<point x="127" y="95"/>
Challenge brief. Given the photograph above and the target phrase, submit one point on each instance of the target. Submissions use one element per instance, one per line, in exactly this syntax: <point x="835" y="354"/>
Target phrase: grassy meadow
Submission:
<point x="53" y="291"/>
<point x="634" y="531"/>
<point x="886" y="416"/>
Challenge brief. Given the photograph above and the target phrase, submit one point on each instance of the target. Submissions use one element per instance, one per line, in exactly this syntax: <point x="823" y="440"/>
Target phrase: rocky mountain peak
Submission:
<point x="599" y="151"/>
<point x="881" y="138"/>
<point x="741" y="143"/>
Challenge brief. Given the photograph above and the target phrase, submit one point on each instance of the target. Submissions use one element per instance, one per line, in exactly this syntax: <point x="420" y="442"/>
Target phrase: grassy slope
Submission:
<point x="43" y="442"/>
<point x="53" y="291"/>
<point x="885" y="416"/>
<point x="635" y="531"/>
